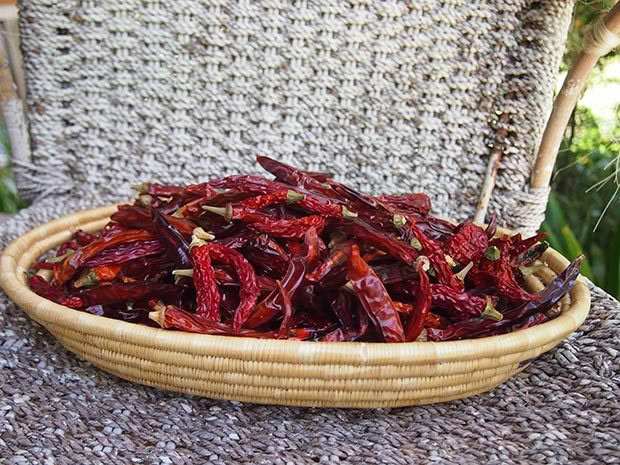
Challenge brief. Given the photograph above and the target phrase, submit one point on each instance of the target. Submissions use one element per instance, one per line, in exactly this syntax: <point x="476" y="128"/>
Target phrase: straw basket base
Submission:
<point x="283" y="372"/>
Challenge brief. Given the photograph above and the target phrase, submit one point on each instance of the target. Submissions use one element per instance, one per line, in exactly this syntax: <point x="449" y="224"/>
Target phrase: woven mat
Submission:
<point x="56" y="409"/>
<point x="391" y="96"/>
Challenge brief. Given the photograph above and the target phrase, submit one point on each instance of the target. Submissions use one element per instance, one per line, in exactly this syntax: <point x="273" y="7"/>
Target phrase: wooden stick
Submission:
<point x="565" y="103"/>
<point x="14" y="53"/>
<point x="491" y="174"/>
<point x="13" y="113"/>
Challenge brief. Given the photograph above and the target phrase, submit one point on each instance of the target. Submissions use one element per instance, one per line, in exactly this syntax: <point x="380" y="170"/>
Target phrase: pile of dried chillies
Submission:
<point x="300" y="257"/>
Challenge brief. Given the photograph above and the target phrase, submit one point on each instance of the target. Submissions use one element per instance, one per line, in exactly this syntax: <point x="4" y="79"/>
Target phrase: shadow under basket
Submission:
<point x="318" y="374"/>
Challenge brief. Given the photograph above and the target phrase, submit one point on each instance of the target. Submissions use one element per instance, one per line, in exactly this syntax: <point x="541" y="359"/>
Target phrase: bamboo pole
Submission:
<point x="491" y="174"/>
<point x="11" y="27"/>
<point x="13" y="113"/>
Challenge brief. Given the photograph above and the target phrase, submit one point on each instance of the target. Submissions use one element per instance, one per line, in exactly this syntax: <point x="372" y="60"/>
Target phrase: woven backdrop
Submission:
<point x="391" y="96"/>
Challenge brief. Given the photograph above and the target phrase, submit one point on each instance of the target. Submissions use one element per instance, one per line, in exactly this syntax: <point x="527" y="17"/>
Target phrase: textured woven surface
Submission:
<point x="55" y="409"/>
<point x="392" y="96"/>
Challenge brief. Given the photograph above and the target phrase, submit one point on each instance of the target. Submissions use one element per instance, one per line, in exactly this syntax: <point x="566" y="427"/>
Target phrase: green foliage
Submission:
<point x="9" y="201"/>
<point x="585" y="159"/>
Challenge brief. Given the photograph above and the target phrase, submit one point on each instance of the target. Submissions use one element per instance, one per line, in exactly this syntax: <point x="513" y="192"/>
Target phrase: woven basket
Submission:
<point x="319" y="374"/>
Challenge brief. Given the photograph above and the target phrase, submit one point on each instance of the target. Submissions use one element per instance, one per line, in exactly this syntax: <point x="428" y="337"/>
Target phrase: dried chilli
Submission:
<point x="300" y="256"/>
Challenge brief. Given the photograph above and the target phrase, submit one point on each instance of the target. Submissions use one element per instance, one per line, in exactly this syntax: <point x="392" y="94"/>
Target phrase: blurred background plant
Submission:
<point x="9" y="200"/>
<point x="588" y="158"/>
<point x="583" y="214"/>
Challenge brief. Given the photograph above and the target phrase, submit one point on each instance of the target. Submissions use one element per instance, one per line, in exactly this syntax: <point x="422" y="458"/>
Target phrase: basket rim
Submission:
<point x="23" y="251"/>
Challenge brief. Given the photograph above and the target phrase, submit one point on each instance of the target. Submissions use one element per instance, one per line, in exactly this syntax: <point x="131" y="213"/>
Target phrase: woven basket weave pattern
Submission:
<point x="391" y="96"/>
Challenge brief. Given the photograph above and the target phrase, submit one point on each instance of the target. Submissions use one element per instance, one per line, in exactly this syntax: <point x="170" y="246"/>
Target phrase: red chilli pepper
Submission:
<point x="313" y="243"/>
<point x="71" y="264"/>
<point x="480" y="327"/>
<point x="293" y="229"/>
<point x="373" y="255"/>
<point x="126" y="252"/>
<point x="176" y="245"/>
<point x="356" y="330"/>
<point x="293" y="176"/>
<point x="341" y="306"/>
<point x="410" y="203"/>
<point x="123" y="292"/>
<point x="249" y="291"/>
<point x="288" y="311"/>
<point x="391" y="273"/>
<point x="430" y="321"/>
<point x="294" y="247"/>
<point x="207" y="293"/>
<point x="461" y="305"/>
<point x="246" y="215"/>
<point x="83" y="237"/>
<point x="237" y="241"/>
<point x="527" y="322"/>
<point x="265" y="200"/>
<point x="273" y="305"/>
<point x="467" y="244"/>
<point x="396" y="248"/>
<point x="193" y="209"/>
<point x="145" y="268"/>
<point x="362" y="201"/>
<point x="93" y="276"/>
<point x="531" y="255"/>
<point x="320" y="175"/>
<point x="65" y="247"/>
<point x="183" y="225"/>
<point x="55" y="294"/>
<point x="42" y="265"/>
<point x="223" y="278"/>
<point x="174" y="317"/>
<point x="421" y="305"/>
<point x="520" y="246"/>
<point x="203" y="189"/>
<point x="437" y="258"/>
<point x="249" y="184"/>
<point x="133" y="217"/>
<point x="314" y="202"/>
<point x="319" y="205"/>
<point x="530" y="321"/>
<point x="499" y="272"/>
<point x="491" y="229"/>
<point x="269" y="246"/>
<point x="374" y="297"/>
<point x="338" y="256"/>
<point x="266" y="284"/>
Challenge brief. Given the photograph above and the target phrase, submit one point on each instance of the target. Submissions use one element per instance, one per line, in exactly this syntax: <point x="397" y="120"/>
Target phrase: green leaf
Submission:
<point x="553" y="238"/>
<point x="574" y="250"/>
<point x="612" y="278"/>
<point x="585" y="234"/>
<point x="556" y="220"/>
<point x="8" y="201"/>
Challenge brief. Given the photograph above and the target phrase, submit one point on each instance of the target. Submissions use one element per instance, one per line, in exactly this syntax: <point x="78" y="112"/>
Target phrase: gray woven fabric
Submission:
<point x="56" y="409"/>
<point x="392" y="96"/>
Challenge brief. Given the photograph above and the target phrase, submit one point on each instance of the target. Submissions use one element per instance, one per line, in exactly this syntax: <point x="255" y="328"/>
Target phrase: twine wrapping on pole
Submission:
<point x="599" y="40"/>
